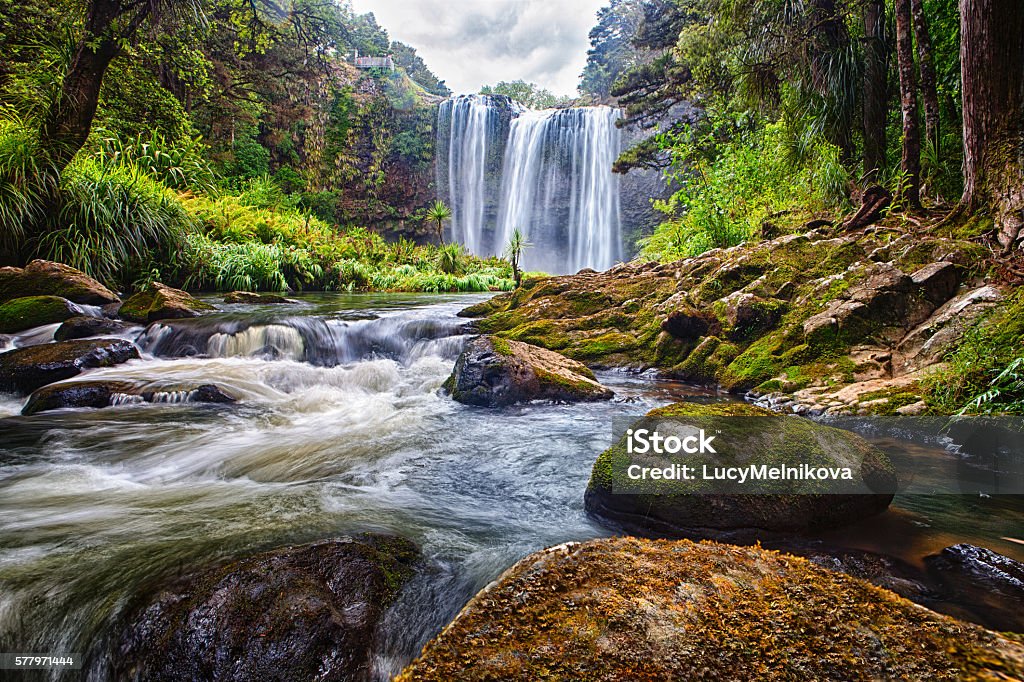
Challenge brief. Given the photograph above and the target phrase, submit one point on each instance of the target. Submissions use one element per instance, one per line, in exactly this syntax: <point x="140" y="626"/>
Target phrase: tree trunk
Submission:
<point x="911" y="159"/>
<point x="876" y="90"/>
<point x="831" y="39"/>
<point x="929" y="90"/>
<point x="992" y="64"/>
<point x="69" y="119"/>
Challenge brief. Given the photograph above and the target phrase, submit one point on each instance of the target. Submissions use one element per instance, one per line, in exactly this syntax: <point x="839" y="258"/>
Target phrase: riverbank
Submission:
<point x="890" y="319"/>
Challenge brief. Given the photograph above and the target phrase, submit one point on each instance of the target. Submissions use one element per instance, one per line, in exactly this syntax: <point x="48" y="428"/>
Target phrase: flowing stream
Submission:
<point x="340" y="428"/>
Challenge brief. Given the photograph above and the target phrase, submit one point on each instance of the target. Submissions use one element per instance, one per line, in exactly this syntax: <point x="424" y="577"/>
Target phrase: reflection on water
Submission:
<point x="98" y="507"/>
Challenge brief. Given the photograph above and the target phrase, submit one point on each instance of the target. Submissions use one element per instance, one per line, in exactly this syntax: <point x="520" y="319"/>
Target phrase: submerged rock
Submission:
<point x="98" y="394"/>
<point x="976" y="576"/>
<point x="745" y="437"/>
<point x="84" y="326"/>
<point x="298" y="613"/>
<point x="630" y="609"/>
<point x="161" y="302"/>
<point x="254" y="298"/>
<point x="494" y="372"/>
<point x="19" y="314"/>
<point x="23" y="370"/>
<point x="46" y="278"/>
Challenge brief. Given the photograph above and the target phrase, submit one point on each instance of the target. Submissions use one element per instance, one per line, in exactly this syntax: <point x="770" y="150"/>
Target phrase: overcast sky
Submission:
<point x="470" y="43"/>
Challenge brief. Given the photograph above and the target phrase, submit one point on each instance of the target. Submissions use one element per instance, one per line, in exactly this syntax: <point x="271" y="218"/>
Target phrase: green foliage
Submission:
<point x="113" y="219"/>
<point x="180" y="166"/>
<point x="438" y="213"/>
<point x="528" y="94"/>
<point x="450" y="259"/>
<point x="1004" y="395"/>
<point x="25" y="184"/>
<point x="734" y="175"/>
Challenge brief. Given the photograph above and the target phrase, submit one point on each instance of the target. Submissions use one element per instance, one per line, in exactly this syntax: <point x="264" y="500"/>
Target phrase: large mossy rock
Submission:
<point x="23" y="370"/>
<point x="494" y="372"/>
<point x="46" y="278"/>
<point x="298" y="613"/>
<point x="161" y="302"/>
<point x="19" y="314"/>
<point x="98" y="394"/>
<point x="631" y="609"/>
<point x="744" y="436"/>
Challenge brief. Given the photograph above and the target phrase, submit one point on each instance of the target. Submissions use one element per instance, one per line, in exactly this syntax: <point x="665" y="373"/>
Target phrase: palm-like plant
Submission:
<point x="438" y="213"/>
<point x="514" y="252"/>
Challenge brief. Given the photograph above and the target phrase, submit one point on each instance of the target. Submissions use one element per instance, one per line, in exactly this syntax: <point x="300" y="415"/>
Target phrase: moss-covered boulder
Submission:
<point x="630" y="609"/>
<point x="161" y="302"/>
<point x="46" y="278"/>
<point x="98" y="394"/>
<point x="84" y="326"/>
<point x="298" y="613"/>
<point x="494" y="372"/>
<point x="27" y="312"/>
<point x="798" y="475"/>
<point x="23" y="370"/>
<point x="253" y="298"/>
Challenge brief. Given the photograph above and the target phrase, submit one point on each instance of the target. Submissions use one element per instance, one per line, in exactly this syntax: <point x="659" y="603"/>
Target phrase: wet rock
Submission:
<point x="749" y="315"/>
<point x="161" y="302"/>
<point x="254" y="298"/>
<point x="23" y="370"/>
<point x="629" y="609"/>
<point x="19" y="314"/>
<point x="688" y="323"/>
<point x="744" y="436"/>
<point x="298" y="613"/>
<point x="494" y="372"/>
<point x="46" y="278"/>
<point x="976" y="576"/>
<point x="84" y="326"/>
<point x="99" y="394"/>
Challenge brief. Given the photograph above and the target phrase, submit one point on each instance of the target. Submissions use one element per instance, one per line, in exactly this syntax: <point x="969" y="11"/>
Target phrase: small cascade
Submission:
<point x="547" y="173"/>
<point x="325" y="343"/>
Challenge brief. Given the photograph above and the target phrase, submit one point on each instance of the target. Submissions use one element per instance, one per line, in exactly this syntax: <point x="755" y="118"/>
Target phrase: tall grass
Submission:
<point x="113" y="220"/>
<point x="26" y="183"/>
<point x="181" y="166"/>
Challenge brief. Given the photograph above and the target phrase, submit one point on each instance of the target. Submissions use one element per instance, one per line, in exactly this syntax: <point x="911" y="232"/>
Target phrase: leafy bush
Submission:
<point x="25" y="183"/>
<point x="113" y="220"/>
<point x="180" y="166"/>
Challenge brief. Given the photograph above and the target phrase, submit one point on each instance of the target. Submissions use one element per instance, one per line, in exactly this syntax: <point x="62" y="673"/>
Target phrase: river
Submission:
<point x="340" y="428"/>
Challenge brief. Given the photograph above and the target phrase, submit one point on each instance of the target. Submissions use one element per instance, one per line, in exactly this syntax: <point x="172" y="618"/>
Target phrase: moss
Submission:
<point x="544" y="333"/>
<point x="500" y="346"/>
<point x="604" y="345"/>
<point x="632" y="609"/>
<point x="20" y="314"/>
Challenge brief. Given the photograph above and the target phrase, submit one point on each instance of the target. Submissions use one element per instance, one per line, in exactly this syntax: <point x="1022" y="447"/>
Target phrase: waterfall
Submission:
<point x="471" y="134"/>
<point x="554" y="181"/>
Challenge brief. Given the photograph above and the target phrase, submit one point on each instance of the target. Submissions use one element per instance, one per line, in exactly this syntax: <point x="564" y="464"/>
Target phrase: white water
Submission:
<point x="556" y="181"/>
<point x="559" y="190"/>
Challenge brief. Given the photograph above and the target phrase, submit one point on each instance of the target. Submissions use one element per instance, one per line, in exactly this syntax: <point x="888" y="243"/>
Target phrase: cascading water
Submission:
<point x="471" y="131"/>
<point x="547" y="173"/>
<point x="559" y="190"/>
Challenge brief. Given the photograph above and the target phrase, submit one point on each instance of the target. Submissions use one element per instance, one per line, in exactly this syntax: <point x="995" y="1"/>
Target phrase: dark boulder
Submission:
<point x="978" y="577"/>
<point x="494" y="372"/>
<point x="300" y="613"/>
<point x="689" y="324"/>
<point x="46" y="278"/>
<point x="23" y="370"/>
<point x="19" y="314"/>
<point x="84" y="326"/>
<point x="161" y="302"/>
<point x="745" y="437"/>
<point x="98" y="394"/>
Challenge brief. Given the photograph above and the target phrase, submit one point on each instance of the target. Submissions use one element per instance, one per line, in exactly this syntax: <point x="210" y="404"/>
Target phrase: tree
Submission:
<point x="876" y="89"/>
<point x="514" y="252"/>
<point x="528" y="94"/>
<point x="929" y="88"/>
<point x="110" y="25"/>
<point x="911" y="158"/>
<point x="992" y="64"/>
<point x="438" y="213"/>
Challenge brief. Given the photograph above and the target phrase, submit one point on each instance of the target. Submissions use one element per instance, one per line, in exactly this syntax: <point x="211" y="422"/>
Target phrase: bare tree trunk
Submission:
<point x="69" y="120"/>
<point x="911" y="159"/>
<point x="992" y="64"/>
<point x="876" y="90"/>
<point x="929" y="90"/>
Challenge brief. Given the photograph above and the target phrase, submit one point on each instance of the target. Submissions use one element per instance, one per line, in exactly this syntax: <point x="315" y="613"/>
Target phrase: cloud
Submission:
<point x="471" y="43"/>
